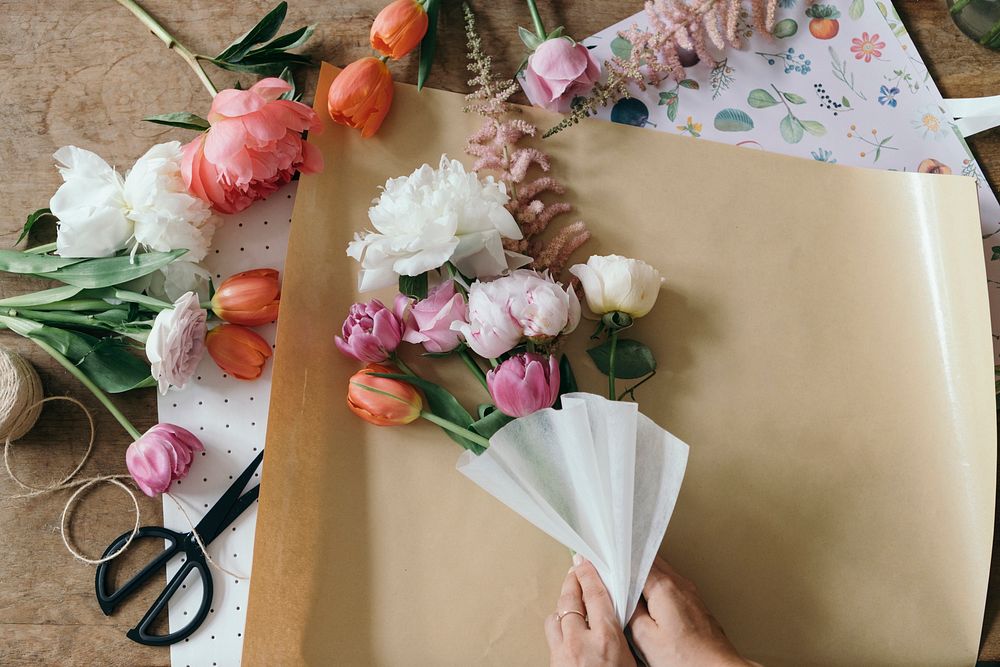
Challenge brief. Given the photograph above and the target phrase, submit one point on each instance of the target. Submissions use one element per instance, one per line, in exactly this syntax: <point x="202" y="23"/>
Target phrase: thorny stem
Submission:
<point x="537" y="20"/>
<point x="184" y="52"/>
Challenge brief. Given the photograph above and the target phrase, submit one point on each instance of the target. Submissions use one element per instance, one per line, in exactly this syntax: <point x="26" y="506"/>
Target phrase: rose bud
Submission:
<point x="618" y="284"/>
<point x="382" y="401"/>
<point x="372" y="332"/>
<point x="160" y="456"/>
<point x="524" y="383"/>
<point x="360" y="96"/>
<point x="239" y="351"/>
<point x="249" y="298"/>
<point x="559" y="70"/>
<point x="432" y="318"/>
<point x="399" y="27"/>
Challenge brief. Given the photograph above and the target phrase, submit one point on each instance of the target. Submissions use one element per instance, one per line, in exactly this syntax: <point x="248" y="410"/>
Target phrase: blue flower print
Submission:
<point x="887" y="96"/>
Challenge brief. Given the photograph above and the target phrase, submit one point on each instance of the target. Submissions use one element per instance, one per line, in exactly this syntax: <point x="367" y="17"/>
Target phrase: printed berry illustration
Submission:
<point x="630" y="111"/>
<point x="824" y="23"/>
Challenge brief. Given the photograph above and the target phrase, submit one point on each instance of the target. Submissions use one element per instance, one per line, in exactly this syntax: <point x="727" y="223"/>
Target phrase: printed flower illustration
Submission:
<point x="867" y="47"/>
<point x="887" y="96"/>
<point x="692" y="128"/>
<point x="931" y="122"/>
<point x="823" y="155"/>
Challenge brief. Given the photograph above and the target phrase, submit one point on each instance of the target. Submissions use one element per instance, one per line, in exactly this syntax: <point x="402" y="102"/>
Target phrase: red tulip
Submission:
<point x="382" y="401"/>
<point x="239" y="351"/>
<point x="249" y="298"/>
<point x="361" y="95"/>
<point x="399" y="28"/>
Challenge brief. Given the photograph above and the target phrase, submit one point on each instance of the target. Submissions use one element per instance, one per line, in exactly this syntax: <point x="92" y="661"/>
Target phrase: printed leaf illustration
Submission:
<point x="813" y="127"/>
<point x="857" y="9"/>
<point x="793" y="98"/>
<point x="630" y="111"/>
<point x="671" y="100"/>
<point x="690" y="83"/>
<point x="846" y="102"/>
<point x="761" y="99"/>
<point x="621" y="47"/>
<point x="791" y="129"/>
<point x="785" y="28"/>
<point x="733" y="120"/>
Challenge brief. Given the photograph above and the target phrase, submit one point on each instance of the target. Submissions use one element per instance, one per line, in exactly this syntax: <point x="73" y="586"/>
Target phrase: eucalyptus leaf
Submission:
<point x="761" y="99"/>
<point x="857" y="9"/>
<point x="733" y="120"/>
<point x="794" y="99"/>
<point x="443" y="404"/>
<point x="621" y="48"/>
<point x="42" y="298"/>
<point x="181" y="119"/>
<point x="108" y="271"/>
<point x="34" y="218"/>
<point x="813" y="127"/>
<point x="428" y="45"/>
<point x="15" y="261"/>
<point x="785" y="28"/>
<point x="791" y="129"/>
<point x="633" y="359"/>
<point x="265" y="29"/>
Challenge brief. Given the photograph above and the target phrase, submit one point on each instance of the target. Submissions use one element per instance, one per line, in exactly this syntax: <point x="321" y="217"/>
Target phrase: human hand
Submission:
<point x="584" y="630"/>
<point x="672" y="626"/>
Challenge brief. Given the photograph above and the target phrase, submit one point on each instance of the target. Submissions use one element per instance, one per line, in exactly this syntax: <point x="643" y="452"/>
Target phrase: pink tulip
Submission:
<point x="371" y="331"/>
<point x="433" y="317"/>
<point x="559" y="70"/>
<point x="160" y="456"/>
<point x="253" y="147"/>
<point x="524" y="383"/>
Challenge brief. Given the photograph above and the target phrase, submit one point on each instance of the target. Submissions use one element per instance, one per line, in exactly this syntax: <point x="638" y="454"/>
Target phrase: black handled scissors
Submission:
<point x="223" y="513"/>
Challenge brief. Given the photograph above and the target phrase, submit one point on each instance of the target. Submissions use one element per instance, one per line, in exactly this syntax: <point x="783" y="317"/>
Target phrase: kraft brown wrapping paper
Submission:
<point x="824" y="347"/>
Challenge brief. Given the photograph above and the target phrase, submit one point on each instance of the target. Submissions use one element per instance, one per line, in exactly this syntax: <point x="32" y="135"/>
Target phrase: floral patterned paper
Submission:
<point x="840" y="82"/>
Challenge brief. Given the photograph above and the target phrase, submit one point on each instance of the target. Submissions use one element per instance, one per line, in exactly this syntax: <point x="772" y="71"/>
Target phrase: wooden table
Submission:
<point x="84" y="72"/>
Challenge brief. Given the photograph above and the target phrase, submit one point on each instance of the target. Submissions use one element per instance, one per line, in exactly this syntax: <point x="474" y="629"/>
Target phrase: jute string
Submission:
<point x="20" y="393"/>
<point x="81" y="485"/>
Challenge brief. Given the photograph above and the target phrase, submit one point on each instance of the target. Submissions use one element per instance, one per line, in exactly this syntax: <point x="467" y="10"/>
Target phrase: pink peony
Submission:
<point x="524" y="383"/>
<point x="160" y="456"/>
<point x="432" y="319"/>
<point x="559" y="70"/>
<point x="371" y="331"/>
<point x="253" y="147"/>
<point x="176" y="342"/>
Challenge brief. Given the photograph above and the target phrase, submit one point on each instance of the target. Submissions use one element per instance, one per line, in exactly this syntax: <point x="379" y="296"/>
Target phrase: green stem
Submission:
<point x="959" y="6"/>
<point x="992" y="38"/>
<point x="537" y="20"/>
<point x="184" y="52"/>
<point x="474" y="367"/>
<point x="455" y="428"/>
<point x="613" y="336"/>
<point x="59" y="317"/>
<point x="402" y="366"/>
<point x="79" y="305"/>
<point x="89" y="384"/>
<point x="493" y="362"/>
<point x="41" y="249"/>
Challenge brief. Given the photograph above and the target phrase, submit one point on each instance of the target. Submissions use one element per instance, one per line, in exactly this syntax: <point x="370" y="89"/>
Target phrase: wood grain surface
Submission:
<point x="84" y="72"/>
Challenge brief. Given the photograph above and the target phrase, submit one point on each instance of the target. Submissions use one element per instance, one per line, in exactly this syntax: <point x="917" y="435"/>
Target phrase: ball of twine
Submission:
<point x="20" y="395"/>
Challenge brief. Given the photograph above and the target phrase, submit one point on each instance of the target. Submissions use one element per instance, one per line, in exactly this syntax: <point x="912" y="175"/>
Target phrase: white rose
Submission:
<point x="434" y="216"/>
<point x="177" y="341"/>
<point x="614" y="283"/>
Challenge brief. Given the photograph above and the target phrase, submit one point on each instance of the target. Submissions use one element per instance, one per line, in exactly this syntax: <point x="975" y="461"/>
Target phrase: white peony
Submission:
<point x="613" y="283"/>
<point x="101" y="213"/>
<point x="177" y="342"/>
<point x="434" y="216"/>
<point x="178" y="277"/>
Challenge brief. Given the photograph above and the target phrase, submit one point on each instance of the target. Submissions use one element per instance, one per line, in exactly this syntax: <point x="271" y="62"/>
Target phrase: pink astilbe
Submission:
<point x="496" y="148"/>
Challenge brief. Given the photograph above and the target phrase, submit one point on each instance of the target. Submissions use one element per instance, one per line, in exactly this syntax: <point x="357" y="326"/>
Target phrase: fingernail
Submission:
<point x="577" y="559"/>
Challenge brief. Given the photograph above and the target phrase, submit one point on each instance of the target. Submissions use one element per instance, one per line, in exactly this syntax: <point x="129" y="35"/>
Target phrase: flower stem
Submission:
<point x="474" y="367"/>
<point x="184" y="52"/>
<point x="537" y="20"/>
<point x="403" y="367"/>
<point x="613" y="337"/>
<point x="455" y="428"/>
<point x="89" y="384"/>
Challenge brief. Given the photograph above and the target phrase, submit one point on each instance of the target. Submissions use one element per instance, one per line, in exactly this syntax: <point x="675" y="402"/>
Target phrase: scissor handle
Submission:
<point x="195" y="560"/>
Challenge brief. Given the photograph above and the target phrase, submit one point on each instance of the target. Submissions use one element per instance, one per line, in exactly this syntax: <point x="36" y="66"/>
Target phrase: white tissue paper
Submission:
<point x="597" y="475"/>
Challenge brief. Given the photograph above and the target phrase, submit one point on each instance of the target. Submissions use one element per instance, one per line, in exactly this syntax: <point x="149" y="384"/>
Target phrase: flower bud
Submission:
<point x="239" y="351"/>
<point x="524" y="383"/>
<point x="160" y="456"/>
<point x="382" y="401"/>
<point x="250" y="298"/>
<point x="398" y="28"/>
<point x="371" y="331"/>
<point x="614" y="283"/>
<point x="360" y="96"/>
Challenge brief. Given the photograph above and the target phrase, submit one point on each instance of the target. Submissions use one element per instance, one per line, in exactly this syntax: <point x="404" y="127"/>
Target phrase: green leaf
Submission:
<point x="691" y="84"/>
<point x="558" y="32"/>
<point x="996" y="252"/>
<point x="785" y="28"/>
<point x="264" y="63"/>
<point x="621" y="47"/>
<point x="791" y="129"/>
<point x="813" y="127"/>
<point x="114" y="368"/>
<point x="761" y="99"/>
<point x="414" y="286"/>
<point x="290" y="40"/>
<point x="294" y="94"/>
<point x="530" y="39"/>
<point x="428" y="45"/>
<point x="857" y="9"/>
<point x="733" y="120"/>
<point x="15" y="261"/>
<point x="33" y="219"/>
<point x="672" y="101"/>
<point x="567" y="380"/>
<point x="108" y="271"/>
<point x="491" y="422"/>
<point x="794" y="99"/>
<point x="265" y="29"/>
<point x="845" y="102"/>
<point x="632" y="359"/>
<point x="443" y="404"/>
<point x="42" y="298"/>
<point x="181" y="119"/>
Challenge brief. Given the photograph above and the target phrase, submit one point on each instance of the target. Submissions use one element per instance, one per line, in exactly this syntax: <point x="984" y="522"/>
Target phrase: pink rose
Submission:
<point x="371" y="331"/>
<point x="432" y="319"/>
<point x="524" y="383"/>
<point x="160" y="456"/>
<point x="176" y="342"/>
<point x="253" y="147"/>
<point x="559" y="70"/>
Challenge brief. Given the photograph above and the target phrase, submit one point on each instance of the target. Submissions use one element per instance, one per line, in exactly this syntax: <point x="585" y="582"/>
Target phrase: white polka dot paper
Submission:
<point x="230" y="418"/>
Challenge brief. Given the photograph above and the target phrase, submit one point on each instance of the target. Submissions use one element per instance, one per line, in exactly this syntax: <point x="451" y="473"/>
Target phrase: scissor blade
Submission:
<point x="223" y="512"/>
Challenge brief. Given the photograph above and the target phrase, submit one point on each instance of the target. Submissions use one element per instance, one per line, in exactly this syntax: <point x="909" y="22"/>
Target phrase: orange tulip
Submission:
<point x="382" y="401"/>
<point x="249" y="298"/>
<point x="398" y="28"/>
<point x="239" y="351"/>
<point x="361" y="95"/>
